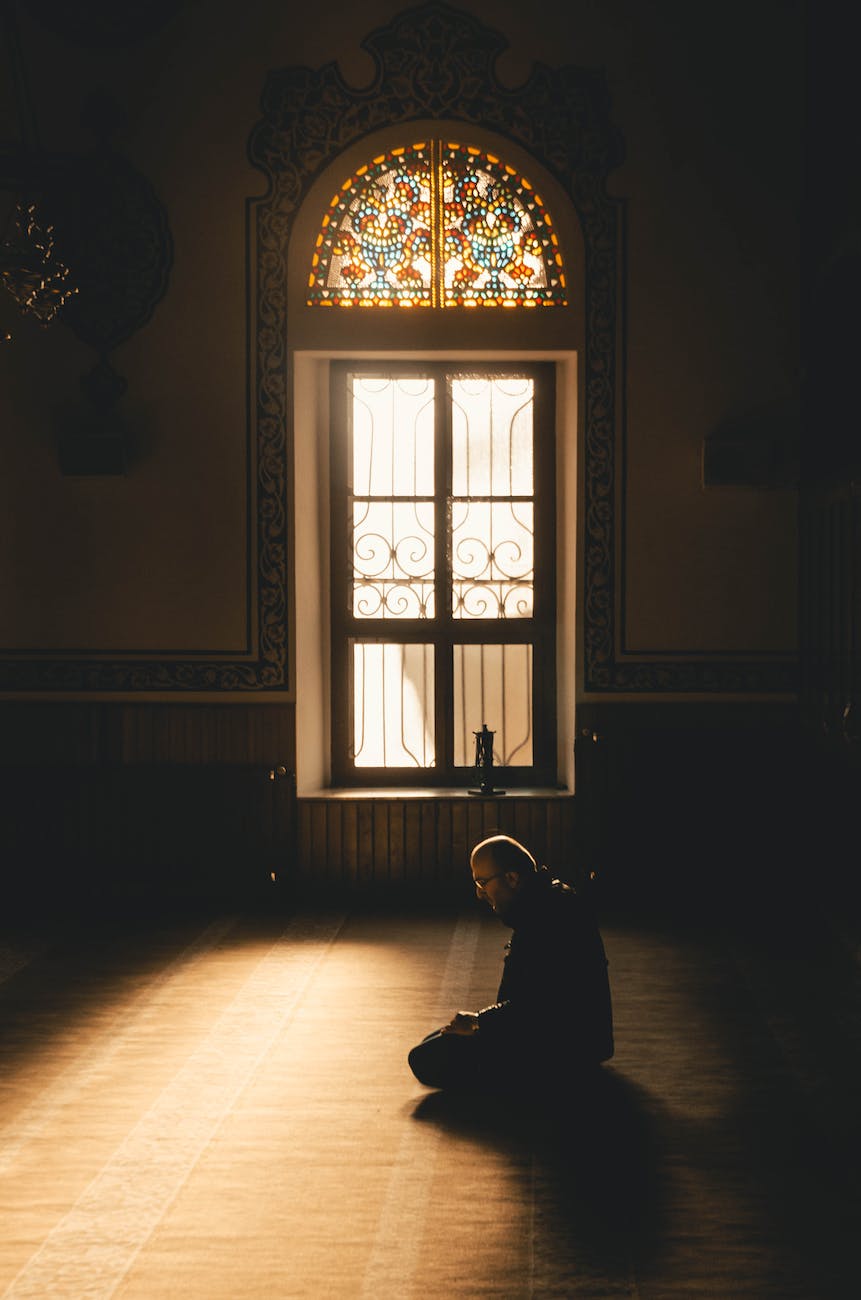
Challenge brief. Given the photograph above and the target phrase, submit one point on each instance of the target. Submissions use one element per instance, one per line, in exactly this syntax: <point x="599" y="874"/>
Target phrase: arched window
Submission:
<point x="437" y="224"/>
<point x="442" y="463"/>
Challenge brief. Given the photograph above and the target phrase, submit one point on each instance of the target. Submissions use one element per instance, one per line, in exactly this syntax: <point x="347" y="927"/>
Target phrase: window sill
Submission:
<point x="434" y="792"/>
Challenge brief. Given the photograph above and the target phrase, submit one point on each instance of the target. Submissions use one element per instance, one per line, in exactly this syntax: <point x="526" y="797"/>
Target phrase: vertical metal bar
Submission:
<point x="342" y="683"/>
<point x="427" y="658"/>
<point x="504" y="746"/>
<point x="436" y="204"/>
<point x="383" y="703"/>
<point x="358" y="740"/>
<point x="393" y="433"/>
<point x="491" y="385"/>
<point x="443" y="657"/>
<point x="481" y="652"/>
<point x="464" y="727"/>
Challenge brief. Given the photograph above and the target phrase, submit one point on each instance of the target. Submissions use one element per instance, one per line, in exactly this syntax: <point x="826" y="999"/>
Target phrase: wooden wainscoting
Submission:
<point x="831" y="615"/>
<point x="690" y="806"/>
<point x="146" y="832"/>
<point x="419" y="842"/>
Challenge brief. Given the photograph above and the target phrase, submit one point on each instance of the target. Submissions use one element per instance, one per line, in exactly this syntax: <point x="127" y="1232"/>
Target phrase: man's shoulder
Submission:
<point x="554" y="897"/>
<point x="556" y="889"/>
<point x="562" y="887"/>
<point x="562" y="905"/>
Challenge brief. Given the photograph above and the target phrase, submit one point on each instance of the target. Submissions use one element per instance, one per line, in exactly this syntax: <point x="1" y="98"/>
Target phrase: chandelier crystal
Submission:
<point x="35" y="277"/>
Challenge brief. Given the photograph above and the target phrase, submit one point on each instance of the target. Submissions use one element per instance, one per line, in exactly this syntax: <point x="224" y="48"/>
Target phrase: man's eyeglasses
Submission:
<point x="482" y="881"/>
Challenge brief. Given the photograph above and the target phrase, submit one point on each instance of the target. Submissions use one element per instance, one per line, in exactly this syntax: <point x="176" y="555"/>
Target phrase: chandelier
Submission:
<point x="29" y="267"/>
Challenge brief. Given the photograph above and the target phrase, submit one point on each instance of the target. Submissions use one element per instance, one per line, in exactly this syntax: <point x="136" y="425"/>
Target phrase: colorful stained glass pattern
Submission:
<point x="375" y="246"/>
<point x="500" y="248"/>
<point x="437" y="225"/>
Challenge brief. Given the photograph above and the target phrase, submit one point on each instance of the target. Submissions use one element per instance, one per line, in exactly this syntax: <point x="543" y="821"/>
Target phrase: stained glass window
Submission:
<point x="437" y="224"/>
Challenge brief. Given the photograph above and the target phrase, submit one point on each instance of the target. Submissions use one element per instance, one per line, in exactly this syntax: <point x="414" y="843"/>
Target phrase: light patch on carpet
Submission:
<point x="394" y="1255"/>
<point x="28" y="1124"/>
<point x="91" y="1249"/>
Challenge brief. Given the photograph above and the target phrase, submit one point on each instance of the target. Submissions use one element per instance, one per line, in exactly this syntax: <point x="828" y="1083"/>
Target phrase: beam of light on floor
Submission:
<point x="394" y="1255"/>
<point x="118" y="1030"/>
<point x="93" y="1246"/>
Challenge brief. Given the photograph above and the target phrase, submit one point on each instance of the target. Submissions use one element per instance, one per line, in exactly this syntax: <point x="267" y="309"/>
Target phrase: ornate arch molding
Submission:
<point x="435" y="62"/>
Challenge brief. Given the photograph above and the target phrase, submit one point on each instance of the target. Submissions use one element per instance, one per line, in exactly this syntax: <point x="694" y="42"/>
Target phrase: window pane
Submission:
<point x="393" y="457"/>
<point x="492" y="436"/>
<point x="393" y="718"/>
<point x="492" y="559"/>
<point x="393" y="437"/>
<point x="393" y="559"/>
<point x="493" y="686"/>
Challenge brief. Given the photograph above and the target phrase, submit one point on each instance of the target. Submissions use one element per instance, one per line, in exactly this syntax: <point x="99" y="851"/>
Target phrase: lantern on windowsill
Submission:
<point x="484" y="762"/>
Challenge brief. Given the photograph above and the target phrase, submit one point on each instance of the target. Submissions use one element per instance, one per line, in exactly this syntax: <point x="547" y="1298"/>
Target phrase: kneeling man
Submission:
<point x="552" y="1018"/>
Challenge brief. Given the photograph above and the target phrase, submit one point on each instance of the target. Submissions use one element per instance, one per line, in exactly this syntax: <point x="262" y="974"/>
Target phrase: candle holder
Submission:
<point x="484" y="762"/>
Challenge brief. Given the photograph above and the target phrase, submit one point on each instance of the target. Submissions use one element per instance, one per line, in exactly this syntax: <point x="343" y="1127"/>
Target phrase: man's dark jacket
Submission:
<point x="554" y="997"/>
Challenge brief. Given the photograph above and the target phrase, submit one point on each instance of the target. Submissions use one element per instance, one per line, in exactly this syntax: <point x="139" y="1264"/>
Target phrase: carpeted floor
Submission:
<point x="221" y="1108"/>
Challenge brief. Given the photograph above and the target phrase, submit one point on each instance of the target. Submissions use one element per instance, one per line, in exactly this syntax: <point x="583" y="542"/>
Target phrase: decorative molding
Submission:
<point x="434" y="62"/>
<point x="704" y="676"/>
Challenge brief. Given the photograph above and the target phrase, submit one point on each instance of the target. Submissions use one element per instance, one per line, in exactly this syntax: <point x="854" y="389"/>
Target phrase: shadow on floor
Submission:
<point x="595" y="1161"/>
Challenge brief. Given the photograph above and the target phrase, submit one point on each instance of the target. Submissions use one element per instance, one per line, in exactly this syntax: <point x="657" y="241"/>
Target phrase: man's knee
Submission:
<point x="424" y="1062"/>
<point x="448" y="1061"/>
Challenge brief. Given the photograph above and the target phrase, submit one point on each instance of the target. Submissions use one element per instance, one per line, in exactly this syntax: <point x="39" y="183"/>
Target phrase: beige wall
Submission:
<point x="708" y="101"/>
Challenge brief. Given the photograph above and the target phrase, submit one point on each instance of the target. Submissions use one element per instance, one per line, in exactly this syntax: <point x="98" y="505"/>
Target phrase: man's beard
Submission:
<point x="505" y="911"/>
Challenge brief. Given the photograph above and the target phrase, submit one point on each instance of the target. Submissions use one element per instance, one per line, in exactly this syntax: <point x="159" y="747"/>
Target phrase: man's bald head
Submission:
<point x="504" y="854"/>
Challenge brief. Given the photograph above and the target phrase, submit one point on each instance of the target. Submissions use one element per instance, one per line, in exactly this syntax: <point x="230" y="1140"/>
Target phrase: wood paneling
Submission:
<point x="690" y="805"/>
<point x="146" y="831"/>
<point x="376" y="843"/>
<point x="831" y="686"/>
<point x="671" y="799"/>
<point x="831" y="610"/>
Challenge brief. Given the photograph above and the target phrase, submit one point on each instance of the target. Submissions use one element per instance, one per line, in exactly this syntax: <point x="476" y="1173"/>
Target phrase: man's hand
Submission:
<point x="465" y="1022"/>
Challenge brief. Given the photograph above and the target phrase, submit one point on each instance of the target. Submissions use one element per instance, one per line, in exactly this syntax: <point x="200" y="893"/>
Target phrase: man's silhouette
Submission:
<point x="552" y="1019"/>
